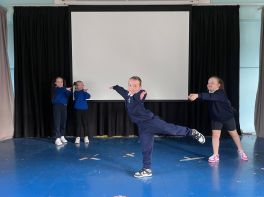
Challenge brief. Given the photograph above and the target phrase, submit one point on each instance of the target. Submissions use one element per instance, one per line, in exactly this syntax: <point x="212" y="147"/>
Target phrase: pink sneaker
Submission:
<point x="213" y="158"/>
<point x="243" y="155"/>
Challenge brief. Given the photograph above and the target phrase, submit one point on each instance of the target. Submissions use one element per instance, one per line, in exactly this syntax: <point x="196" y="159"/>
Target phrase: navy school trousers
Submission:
<point x="149" y="128"/>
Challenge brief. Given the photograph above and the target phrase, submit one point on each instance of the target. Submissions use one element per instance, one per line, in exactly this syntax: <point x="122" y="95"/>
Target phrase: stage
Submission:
<point x="105" y="167"/>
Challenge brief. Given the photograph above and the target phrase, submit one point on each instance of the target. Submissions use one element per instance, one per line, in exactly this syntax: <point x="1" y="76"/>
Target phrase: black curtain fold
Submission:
<point x="215" y="50"/>
<point x="42" y="51"/>
<point x="41" y="39"/>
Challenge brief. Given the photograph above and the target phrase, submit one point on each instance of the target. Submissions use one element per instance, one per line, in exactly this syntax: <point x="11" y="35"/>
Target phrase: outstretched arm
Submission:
<point x="120" y="90"/>
<point x="217" y="96"/>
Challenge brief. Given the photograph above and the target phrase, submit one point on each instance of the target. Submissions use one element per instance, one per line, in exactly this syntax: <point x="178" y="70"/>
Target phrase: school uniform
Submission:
<point x="81" y="112"/>
<point x="221" y="111"/>
<point x="148" y="124"/>
<point x="59" y="102"/>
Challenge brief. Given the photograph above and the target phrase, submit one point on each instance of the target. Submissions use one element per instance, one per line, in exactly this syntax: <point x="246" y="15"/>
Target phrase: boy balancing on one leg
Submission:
<point x="148" y="124"/>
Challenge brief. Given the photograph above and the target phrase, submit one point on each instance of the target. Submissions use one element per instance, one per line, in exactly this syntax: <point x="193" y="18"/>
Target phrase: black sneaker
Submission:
<point x="143" y="173"/>
<point x="198" y="136"/>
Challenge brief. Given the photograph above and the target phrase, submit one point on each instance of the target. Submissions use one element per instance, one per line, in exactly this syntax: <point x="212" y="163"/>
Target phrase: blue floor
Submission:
<point x="35" y="167"/>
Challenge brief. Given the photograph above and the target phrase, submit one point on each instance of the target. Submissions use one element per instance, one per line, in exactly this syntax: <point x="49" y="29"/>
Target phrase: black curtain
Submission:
<point x="215" y="51"/>
<point x="41" y="39"/>
<point x="42" y="52"/>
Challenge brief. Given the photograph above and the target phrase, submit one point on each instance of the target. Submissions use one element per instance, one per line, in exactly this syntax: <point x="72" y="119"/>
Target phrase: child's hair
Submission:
<point x="76" y="83"/>
<point x="54" y="80"/>
<point x="136" y="78"/>
<point x="220" y="81"/>
<point x="53" y="86"/>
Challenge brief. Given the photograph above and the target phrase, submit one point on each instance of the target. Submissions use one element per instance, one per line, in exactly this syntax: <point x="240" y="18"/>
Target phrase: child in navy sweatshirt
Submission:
<point x="81" y="111"/>
<point x="148" y="124"/>
<point x="60" y="96"/>
<point x="222" y="115"/>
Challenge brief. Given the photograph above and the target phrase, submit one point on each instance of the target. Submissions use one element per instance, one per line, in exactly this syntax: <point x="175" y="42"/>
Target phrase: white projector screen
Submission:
<point x="110" y="47"/>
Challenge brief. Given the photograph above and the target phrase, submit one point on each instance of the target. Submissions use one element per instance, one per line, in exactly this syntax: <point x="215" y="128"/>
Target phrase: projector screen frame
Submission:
<point x="132" y="8"/>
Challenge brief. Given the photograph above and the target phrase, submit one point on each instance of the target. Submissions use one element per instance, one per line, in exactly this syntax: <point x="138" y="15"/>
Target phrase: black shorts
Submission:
<point x="229" y="125"/>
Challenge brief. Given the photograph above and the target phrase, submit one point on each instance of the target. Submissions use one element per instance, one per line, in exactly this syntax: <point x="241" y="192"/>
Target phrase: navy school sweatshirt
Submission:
<point x="134" y="106"/>
<point x="80" y="101"/>
<point x="60" y="96"/>
<point x="220" y="108"/>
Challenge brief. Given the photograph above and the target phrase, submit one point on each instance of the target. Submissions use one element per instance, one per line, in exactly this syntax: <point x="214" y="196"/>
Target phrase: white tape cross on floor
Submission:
<point x="129" y="155"/>
<point x="191" y="158"/>
<point x="92" y="158"/>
